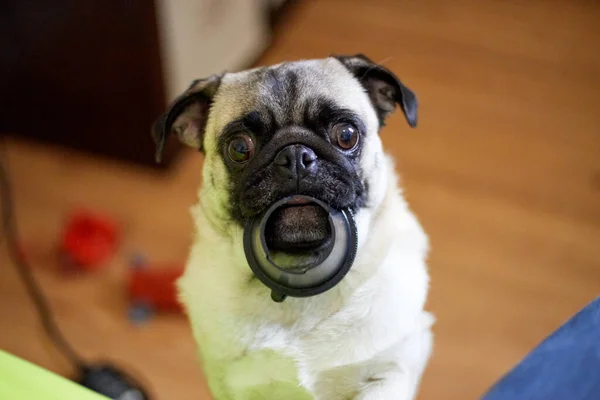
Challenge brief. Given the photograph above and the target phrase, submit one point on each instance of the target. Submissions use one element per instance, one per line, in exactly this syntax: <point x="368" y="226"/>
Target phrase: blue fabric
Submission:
<point x="565" y="366"/>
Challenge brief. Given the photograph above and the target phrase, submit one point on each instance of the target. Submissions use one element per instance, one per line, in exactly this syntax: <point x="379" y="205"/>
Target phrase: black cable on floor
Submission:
<point x="25" y="271"/>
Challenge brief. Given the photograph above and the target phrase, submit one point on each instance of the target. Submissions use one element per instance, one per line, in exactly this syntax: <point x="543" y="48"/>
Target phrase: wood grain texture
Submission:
<point x="503" y="172"/>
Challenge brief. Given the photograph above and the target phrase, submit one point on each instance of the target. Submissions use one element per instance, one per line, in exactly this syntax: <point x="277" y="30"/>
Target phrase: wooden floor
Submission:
<point x="503" y="171"/>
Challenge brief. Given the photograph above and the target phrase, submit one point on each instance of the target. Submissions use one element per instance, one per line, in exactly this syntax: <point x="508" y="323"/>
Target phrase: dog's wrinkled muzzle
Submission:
<point x="307" y="279"/>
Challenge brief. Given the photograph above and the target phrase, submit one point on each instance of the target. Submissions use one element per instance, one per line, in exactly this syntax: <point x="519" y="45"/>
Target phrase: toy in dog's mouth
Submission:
<point x="300" y="246"/>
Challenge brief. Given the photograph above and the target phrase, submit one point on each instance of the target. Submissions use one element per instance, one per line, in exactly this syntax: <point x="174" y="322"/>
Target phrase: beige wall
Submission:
<point x="202" y="37"/>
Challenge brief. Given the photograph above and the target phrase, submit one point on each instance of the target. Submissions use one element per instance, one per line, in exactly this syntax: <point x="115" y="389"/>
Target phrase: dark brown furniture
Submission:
<point x="84" y="74"/>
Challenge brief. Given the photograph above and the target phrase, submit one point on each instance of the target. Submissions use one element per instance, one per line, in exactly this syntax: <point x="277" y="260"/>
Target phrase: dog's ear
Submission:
<point x="384" y="88"/>
<point x="187" y="115"/>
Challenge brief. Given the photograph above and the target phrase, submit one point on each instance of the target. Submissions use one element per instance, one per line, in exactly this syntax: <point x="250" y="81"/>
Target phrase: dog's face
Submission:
<point x="307" y="127"/>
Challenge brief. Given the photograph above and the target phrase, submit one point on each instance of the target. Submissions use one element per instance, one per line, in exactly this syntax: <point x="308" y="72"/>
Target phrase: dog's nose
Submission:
<point x="295" y="161"/>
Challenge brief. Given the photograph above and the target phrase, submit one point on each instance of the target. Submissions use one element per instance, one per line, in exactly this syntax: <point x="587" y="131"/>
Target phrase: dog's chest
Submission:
<point x="316" y="337"/>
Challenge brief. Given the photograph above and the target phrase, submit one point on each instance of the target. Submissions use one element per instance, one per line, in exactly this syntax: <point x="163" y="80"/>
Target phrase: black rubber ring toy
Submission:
<point x="310" y="280"/>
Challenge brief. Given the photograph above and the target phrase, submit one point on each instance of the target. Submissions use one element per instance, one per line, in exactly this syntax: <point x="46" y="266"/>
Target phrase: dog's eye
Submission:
<point x="344" y="135"/>
<point x="240" y="148"/>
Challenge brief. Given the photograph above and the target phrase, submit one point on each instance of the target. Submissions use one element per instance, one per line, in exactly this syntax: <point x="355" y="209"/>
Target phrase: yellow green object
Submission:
<point x="22" y="380"/>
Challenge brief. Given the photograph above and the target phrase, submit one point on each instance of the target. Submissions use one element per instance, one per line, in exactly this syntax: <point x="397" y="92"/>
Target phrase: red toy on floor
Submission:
<point x="152" y="289"/>
<point x="89" y="240"/>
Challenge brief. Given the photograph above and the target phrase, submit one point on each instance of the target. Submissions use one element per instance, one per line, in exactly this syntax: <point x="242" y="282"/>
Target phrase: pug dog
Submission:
<point x="311" y="128"/>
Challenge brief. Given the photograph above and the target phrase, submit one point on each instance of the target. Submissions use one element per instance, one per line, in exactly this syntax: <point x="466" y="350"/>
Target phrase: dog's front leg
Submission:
<point x="394" y="385"/>
<point x="402" y="380"/>
<point x="366" y="381"/>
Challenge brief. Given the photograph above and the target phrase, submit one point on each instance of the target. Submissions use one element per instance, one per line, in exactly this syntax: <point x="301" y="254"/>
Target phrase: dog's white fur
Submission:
<point x="367" y="338"/>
